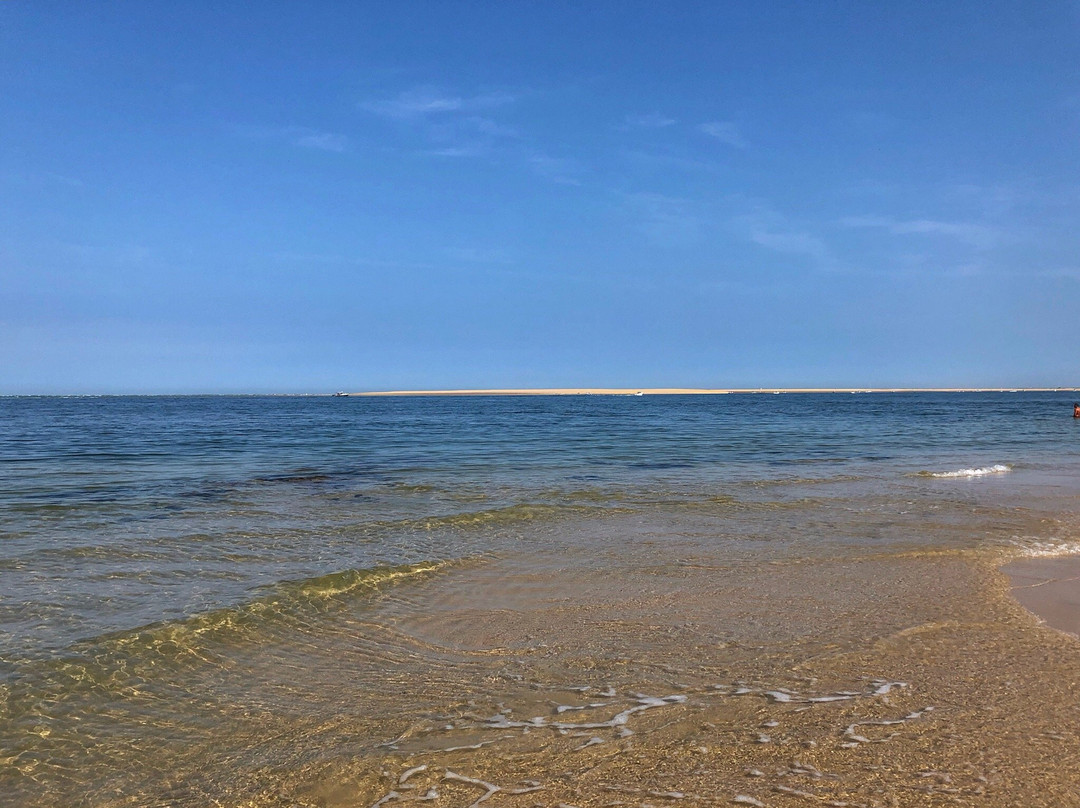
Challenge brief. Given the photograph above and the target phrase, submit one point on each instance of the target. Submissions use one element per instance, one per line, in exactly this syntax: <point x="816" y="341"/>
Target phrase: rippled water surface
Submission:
<point x="190" y="577"/>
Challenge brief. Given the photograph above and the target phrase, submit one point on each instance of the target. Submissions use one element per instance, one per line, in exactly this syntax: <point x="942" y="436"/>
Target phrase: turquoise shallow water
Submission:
<point x="119" y="512"/>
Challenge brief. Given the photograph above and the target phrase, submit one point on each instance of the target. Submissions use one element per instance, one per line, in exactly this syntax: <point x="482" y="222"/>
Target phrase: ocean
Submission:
<point x="754" y="599"/>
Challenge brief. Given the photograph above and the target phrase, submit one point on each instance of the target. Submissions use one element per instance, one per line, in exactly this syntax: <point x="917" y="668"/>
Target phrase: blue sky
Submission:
<point x="289" y="197"/>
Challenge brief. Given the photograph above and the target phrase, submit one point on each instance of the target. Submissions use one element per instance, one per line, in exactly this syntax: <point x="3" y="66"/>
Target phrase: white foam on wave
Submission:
<point x="998" y="468"/>
<point x="500" y="721"/>
<point x="1027" y="547"/>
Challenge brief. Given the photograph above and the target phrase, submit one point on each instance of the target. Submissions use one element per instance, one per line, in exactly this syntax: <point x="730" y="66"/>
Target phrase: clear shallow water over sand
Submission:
<point x="588" y="600"/>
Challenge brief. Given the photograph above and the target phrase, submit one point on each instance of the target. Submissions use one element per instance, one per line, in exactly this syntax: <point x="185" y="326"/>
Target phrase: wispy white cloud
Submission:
<point x="302" y="136"/>
<point x="469" y="127"/>
<point x="465" y="136"/>
<point x="453" y="123"/>
<point x="487" y="126"/>
<point x="456" y="125"/>
<point x="652" y="120"/>
<point x="726" y="132"/>
<point x="976" y="235"/>
<point x="772" y="231"/>
<point x="327" y="141"/>
<point x="792" y="242"/>
<point x="455" y="151"/>
<point x="420" y="102"/>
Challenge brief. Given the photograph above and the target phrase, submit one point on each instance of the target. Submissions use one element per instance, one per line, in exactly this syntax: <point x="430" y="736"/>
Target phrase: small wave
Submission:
<point x="295" y="478"/>
<point x="998" y="468"/>
<point x="620" y="500"/>
<point x="288" y="603"/>
<point x="779" y="481"/>
<point x="509" y="515"/>
<point x="596" y="495"/>
<point x="314" y="476"/>
<point x="412" y="488"/>
<point x="1025" y="547"/>
<point x="341" y="583"/>
<point x="119" y="663"/>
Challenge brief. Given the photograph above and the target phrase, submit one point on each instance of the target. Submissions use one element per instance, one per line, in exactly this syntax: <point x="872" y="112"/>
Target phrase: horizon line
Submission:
<point x="558" y="391"/>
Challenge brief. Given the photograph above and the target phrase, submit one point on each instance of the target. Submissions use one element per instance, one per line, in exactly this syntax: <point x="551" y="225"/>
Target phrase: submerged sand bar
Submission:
<point x="695" y="391"/>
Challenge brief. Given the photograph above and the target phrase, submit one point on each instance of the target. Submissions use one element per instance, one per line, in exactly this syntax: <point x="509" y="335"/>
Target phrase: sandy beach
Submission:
<point x="697" y="391"/>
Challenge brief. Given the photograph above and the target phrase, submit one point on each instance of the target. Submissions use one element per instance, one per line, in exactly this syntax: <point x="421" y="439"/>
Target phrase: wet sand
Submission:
<point x="1050" y="588"/>
<point x="884" y="682"/>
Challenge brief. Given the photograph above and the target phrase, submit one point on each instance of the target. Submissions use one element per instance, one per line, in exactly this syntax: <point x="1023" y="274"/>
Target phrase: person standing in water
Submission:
<point x="1076" y="410"/>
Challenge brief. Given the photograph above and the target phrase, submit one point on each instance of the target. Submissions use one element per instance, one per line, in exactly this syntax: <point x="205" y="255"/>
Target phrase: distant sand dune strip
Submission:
<point x="685" y="391"/>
